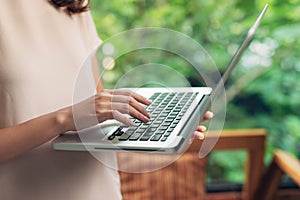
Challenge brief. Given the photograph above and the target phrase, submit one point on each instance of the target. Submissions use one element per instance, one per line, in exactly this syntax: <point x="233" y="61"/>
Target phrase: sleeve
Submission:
<point x="89" y="31"/>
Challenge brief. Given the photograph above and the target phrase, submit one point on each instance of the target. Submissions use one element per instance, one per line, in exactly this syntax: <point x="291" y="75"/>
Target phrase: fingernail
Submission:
<point x="146" y="118"/>
<point x="148" y="115"/>
<point x="201" y="137"/>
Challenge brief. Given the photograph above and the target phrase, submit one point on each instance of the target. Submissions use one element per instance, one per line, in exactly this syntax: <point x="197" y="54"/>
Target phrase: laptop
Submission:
<point x="175" y="114"/>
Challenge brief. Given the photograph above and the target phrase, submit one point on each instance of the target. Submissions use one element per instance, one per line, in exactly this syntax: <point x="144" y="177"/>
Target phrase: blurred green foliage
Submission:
<point x="266" y="90"/>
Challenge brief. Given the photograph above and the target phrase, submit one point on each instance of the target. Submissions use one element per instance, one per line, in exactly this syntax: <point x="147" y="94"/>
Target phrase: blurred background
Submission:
<point x="266" y="91"/>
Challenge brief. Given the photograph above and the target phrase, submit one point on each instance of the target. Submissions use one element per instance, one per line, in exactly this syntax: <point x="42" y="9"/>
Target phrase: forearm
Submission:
<point x="23" y="137"/>
<point x="96" y="73"/>
<point x="105" y="105"/>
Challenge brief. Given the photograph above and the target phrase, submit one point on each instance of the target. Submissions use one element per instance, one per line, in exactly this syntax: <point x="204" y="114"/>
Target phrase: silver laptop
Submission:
<point x="175" y="114"/>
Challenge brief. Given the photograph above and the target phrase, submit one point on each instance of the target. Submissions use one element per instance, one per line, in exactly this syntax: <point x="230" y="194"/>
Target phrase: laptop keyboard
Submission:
<point x="166" y="111"/>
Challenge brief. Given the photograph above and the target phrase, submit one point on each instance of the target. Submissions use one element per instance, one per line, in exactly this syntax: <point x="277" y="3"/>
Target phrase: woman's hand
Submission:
<point x="109" y="104"/>
<point x="200" y="129"/>
<point x="113" y="104"/>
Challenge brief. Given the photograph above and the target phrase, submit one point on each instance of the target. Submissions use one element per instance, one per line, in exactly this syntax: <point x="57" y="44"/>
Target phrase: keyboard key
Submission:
<point x="170" y="130"/>
<point x="119" y="133"/>
<point x="114" y="134"/>
<point x="124" y="137"/>
<point x="150" y="131"/>
<point x="168" y="133"/>
<point x="138" y="123"/>
<point x="164" y="138"/>
<point x="172" y="116"/>
<point x="167" y="123"/>
<point x="176" y="121"/>
<point x="159" y="132"/>
<point x="145" y="137"/>
<point x="164" y="114"/>
<point x="163" y="127"/>
<point x="173" y="126"/>
<point x="158" y="121"/>
<point x="144" y="126"/>
<point x="130" y="131"/>
<point x="155" y="125"/>
<point x="156" y="137"/>
<point x="169" y="120"/>
<point x="135" y="136"/>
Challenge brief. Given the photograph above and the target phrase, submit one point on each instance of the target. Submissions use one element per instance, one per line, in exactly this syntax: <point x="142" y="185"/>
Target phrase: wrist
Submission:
<point x="64" y="120"/>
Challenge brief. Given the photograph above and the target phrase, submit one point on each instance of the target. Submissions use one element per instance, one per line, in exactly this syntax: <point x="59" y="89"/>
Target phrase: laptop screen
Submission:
<point x="238" y="54"/>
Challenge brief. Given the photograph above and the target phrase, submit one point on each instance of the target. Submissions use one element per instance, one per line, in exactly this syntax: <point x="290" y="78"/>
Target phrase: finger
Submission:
<point x="132" y="102"/>
<point x="199" y="135"/>
<point x="114" y="114"/>
<point x="136" y="96"/>
<point x="106" y="101"/>
<point x="128" y="109"/>
<point x="199" y="132"/>
<point x="125" y="104"/>
<point x="201" y="128"/>
<point x="208" y="115"/>
<point x="141" y="99"/>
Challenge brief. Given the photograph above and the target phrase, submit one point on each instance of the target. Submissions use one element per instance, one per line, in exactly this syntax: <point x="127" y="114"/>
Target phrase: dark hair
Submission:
<point x="72" y="6"/>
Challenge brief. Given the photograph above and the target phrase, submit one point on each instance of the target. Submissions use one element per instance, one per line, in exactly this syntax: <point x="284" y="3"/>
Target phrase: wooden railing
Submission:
<point x="169" y="179"/>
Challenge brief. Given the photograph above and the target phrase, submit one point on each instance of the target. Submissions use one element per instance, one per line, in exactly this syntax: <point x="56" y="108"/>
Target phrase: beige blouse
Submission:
<point x="41" y="49"/>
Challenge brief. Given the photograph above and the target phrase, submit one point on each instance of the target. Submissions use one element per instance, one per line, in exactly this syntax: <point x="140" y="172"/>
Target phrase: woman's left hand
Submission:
<point x="200" y="129"/>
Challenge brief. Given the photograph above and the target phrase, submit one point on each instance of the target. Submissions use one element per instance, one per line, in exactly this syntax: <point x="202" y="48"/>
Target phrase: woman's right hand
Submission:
<point x="108" y="104"/>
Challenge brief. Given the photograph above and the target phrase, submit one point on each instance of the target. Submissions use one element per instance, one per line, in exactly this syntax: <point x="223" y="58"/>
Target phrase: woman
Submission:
<point x="42" y="45"/>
